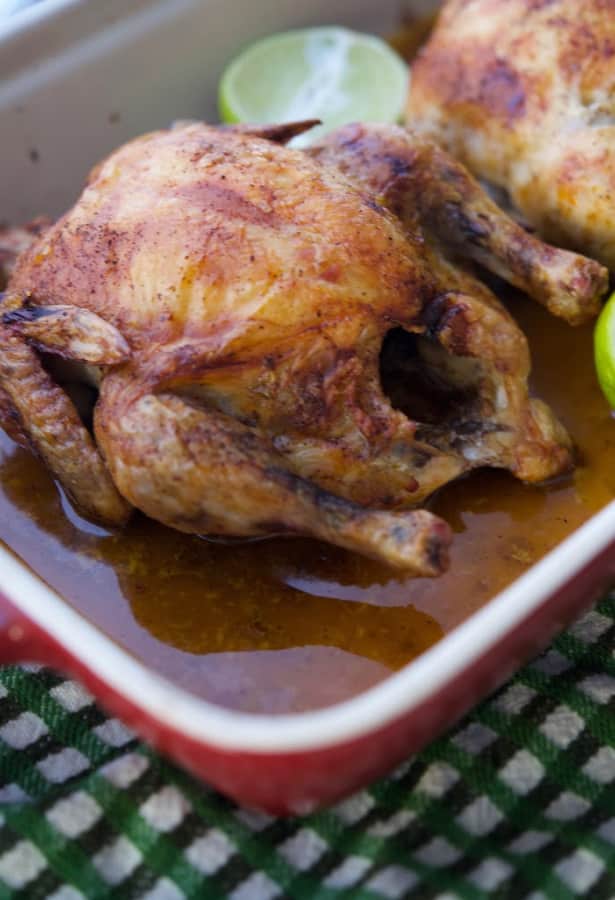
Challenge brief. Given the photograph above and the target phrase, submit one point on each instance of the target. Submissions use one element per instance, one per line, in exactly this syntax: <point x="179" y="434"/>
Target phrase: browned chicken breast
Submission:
<point x="523" y="92"/>
<point x="282" y="341"/>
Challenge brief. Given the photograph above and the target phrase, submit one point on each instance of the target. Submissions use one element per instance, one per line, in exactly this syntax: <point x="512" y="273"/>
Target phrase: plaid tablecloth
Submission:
<point x="516" y="802"/>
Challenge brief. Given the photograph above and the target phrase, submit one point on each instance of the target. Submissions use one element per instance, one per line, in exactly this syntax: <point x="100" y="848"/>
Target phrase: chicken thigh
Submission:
<point x="523" y="92"/>
<point x="238" y="305"/>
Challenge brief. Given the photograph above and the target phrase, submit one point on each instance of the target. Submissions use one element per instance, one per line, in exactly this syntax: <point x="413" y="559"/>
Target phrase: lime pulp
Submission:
<point x="328" y="73"/>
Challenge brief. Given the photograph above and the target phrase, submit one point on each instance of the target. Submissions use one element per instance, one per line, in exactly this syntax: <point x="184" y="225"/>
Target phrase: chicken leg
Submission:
<point x="413" y="176"/>
<point x="471" y="345"/>
<point x="201" y="471"/>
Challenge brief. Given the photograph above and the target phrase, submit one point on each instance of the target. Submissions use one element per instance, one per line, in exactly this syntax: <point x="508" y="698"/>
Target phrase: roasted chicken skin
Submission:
<point x="229" y="297"/>
<point x="523" y="92"/>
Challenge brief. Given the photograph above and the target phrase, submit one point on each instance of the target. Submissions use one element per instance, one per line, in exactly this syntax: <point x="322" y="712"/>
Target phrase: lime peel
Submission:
<point x="604" y="350"/>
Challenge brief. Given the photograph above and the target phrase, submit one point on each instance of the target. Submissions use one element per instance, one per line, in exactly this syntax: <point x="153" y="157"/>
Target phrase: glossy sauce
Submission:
<point x="291" y="625"/>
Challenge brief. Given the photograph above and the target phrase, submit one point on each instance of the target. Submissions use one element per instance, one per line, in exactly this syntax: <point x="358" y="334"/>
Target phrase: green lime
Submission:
<point x="604" y="350"/>
<point x="327" y="73"/>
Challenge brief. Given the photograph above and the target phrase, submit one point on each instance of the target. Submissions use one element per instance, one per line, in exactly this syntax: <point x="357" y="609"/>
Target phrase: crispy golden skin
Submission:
<point x="231" y="297"/>
<point x="523" y="92"/>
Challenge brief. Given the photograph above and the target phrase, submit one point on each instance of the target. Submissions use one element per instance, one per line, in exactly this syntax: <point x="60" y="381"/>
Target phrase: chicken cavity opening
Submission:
<point x="427" y="384"/>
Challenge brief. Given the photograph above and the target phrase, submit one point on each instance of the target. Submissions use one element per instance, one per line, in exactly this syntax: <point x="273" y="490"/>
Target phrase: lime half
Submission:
<point x="328" y="73"/>
<point x="604" y="350"/>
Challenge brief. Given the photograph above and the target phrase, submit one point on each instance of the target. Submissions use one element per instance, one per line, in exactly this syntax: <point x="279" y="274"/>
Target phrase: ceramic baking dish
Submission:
<point x="77" y="79"/>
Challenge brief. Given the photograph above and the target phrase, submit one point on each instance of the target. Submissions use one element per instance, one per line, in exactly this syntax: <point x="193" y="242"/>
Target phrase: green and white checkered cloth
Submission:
<point x="518" y="801"/>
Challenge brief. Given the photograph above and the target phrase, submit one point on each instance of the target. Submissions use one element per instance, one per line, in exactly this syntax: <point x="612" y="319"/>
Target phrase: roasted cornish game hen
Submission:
<point x="523" y="92"/>
<point x="282" y="341"/>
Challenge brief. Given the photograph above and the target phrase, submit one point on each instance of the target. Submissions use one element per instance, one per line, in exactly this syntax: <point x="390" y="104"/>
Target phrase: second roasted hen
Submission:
<point x="241" y="307"/>
<point x="523" y="92"/>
